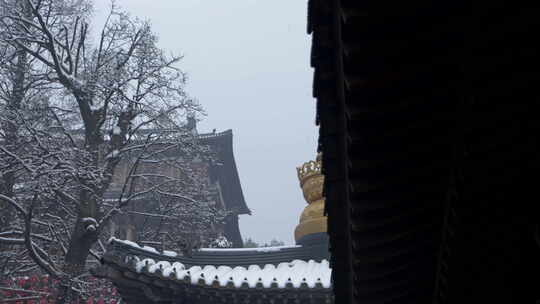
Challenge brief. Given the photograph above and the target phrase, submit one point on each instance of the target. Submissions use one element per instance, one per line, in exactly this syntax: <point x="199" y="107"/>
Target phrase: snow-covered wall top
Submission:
<point x="285" y="275"/>
<point x="261" y="249"/>
<point x="222" y="250"/>
<point x="220" y="256"/>
<point x="293" y="273"/>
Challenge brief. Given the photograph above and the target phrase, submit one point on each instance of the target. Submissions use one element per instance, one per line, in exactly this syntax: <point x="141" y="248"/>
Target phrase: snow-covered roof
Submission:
<point x="222" y="250"/>
<point x="259" y="249"/>
<point x="145" y="248"/>
<point x="294" y="274"/>
<point x="291" y="274"/>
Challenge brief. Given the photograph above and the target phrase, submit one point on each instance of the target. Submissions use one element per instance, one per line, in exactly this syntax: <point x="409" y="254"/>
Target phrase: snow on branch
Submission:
<point x="87" y="125"/>
<point x="39" y="258"/>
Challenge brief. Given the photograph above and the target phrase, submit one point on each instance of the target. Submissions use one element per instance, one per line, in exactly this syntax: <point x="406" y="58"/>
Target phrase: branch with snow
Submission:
<point x="40" y="259"/>
<point x="93" y="119"/>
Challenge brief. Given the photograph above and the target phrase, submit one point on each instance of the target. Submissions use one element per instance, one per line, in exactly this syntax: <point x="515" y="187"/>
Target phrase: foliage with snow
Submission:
<point x="249" y="243"/>
<point x="220" y="242"/>
<point x="80" y="119"/>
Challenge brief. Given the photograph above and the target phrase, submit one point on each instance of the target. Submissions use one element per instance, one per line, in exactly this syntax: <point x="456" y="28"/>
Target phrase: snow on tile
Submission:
<point x="145" y="248"/>
<point x="159" y="265"/>
<point x="175" y="268"/>
<point x="144" y="263"/>
<point x="294" y="273"/>
<point x="260" y="249"/>
<point x="170" y="253"/>
<point x="150" y="249"/>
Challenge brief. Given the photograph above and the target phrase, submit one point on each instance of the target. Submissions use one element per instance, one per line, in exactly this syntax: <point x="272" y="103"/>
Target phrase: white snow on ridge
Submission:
<point x="259" y="249"/>
<point x="151" y="249"/>
<point x="170" y="253"/>
<point x="174" y="254"/>
<point x="125" y="242"/>
<point x="295" y="273"/>
<point x="145" y="248"/>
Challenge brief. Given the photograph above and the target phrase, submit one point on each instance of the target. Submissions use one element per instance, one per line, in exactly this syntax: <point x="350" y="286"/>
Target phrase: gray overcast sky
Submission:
<point x="248" y="64"/>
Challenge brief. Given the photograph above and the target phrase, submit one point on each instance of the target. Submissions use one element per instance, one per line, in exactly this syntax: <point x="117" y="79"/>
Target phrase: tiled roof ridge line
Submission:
<point x="213" y="135"/>
<point x="132" y="264"/>
<point x="172" y="255"/>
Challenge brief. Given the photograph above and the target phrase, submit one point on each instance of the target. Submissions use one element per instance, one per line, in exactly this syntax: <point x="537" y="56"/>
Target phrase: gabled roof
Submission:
<point x="223" y="170"/>
<point x="294" y="274"/>
<point x="145" y="275"/>
<point x="222" y="144"/>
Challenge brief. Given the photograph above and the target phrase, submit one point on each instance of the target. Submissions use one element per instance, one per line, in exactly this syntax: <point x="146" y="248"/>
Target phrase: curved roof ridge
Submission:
<point x="256" y="249"/>
<point x="228" y="257"/>
<point x="287" y="275"/>
<point x="214" y="134"/>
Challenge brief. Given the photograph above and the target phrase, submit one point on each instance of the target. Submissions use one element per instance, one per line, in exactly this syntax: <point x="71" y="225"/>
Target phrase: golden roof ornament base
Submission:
<point x="311" y="180"/>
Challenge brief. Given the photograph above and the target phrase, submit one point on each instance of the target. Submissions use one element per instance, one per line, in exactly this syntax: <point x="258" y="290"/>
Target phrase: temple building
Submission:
<point x="286" y="274"/>
<point x="218" y="184"/>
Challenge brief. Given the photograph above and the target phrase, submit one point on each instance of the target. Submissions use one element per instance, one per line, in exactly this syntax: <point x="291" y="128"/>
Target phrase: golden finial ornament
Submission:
<point x="311" y="180"/>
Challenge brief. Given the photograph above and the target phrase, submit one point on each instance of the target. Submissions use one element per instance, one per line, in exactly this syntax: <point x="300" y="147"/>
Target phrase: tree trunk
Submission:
<point x="10" y="128"/>
<point x="81" y="241"/>
<point x="75" y="261"/>
<point x="83" y="236"/>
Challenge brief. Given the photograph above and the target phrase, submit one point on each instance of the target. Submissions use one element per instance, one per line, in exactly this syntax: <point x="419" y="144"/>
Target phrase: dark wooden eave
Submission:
<point x="427" y="141"/>
<point x="225" y="170"/>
